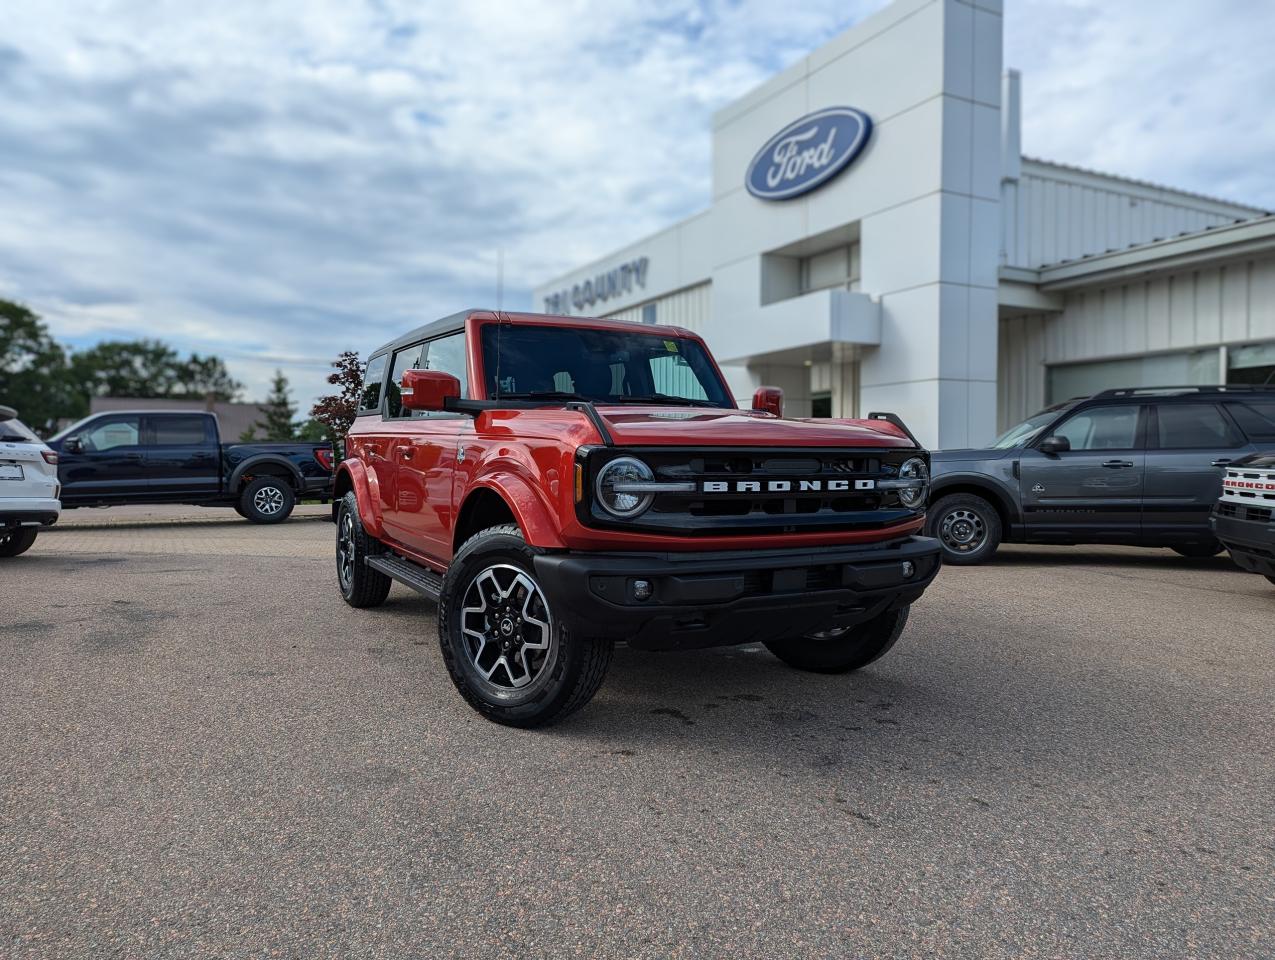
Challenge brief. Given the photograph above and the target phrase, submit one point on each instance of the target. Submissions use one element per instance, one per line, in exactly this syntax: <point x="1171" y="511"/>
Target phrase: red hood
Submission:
<point x="700" y="427"/>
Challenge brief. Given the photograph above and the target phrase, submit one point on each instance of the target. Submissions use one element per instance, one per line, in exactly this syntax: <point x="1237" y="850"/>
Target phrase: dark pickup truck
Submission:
<point x="168" y="457"/>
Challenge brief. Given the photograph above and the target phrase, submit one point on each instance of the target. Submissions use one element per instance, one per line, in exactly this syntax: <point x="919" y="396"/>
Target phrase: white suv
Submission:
<point x="29" y="486"/>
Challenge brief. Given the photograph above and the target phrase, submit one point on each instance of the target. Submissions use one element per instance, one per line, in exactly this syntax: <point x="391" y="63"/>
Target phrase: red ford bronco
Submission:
<point x="559" y="484"/>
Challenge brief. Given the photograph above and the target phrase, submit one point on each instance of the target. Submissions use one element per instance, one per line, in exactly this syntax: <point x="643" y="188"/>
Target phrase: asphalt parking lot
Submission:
<point x="205" y="753"/>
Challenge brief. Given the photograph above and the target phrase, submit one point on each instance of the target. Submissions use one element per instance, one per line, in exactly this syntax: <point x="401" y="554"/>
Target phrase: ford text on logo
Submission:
<point x="784" y="486"/>
<point x="807" y="153"/>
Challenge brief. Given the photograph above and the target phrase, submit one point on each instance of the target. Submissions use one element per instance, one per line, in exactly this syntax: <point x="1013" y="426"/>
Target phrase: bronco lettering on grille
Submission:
<point x="785" y="486"/>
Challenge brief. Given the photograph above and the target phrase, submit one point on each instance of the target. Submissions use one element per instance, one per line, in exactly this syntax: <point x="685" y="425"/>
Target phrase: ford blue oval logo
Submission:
<point x="808" y="152"/>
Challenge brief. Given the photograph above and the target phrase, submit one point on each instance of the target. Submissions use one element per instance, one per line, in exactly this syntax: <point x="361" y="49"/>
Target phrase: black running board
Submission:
<point x="409" y="574"/>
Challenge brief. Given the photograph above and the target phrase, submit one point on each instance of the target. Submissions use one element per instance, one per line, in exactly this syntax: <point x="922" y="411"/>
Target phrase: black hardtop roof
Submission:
<point x="456" y="323"/>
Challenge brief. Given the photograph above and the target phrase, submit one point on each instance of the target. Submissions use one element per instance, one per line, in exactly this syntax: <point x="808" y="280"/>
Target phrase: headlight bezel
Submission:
<point x="644" y="475"/>
<point x="913" y="498"/>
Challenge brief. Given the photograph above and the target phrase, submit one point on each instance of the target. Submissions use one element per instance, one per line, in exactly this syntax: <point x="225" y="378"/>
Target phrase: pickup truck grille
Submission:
<point x="1237" y="512"/>
<point x="768" y="505"/>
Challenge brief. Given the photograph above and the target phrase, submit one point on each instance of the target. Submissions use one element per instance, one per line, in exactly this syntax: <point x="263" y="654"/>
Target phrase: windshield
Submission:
<point x="15" y="431"/>
<point x="1019" y="435"/>
<point x="610" y="366"/>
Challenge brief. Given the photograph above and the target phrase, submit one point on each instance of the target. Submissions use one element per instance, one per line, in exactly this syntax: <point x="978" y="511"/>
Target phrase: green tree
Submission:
<point x="199" y="377"/>
<point x="278" y="414"/>
<point x="151" y="368"/>
<point x="34" y="374"/>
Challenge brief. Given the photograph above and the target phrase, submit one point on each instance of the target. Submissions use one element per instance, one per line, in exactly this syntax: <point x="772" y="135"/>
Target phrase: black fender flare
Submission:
<point x="274" y="460"/>
<point x="1001" y="496"/>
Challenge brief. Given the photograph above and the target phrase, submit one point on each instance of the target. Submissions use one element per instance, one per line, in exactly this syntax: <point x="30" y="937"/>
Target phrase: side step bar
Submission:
<point x="409" y="574"/>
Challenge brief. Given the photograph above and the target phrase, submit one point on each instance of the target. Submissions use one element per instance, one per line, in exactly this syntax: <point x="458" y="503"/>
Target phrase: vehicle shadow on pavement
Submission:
<point x="1080" y="557"/>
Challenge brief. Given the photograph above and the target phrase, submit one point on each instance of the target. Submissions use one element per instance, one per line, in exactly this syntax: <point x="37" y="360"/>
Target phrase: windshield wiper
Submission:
<point x="663" y="398"/>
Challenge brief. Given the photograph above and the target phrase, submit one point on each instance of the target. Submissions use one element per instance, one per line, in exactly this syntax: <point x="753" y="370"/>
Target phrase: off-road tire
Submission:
<point x="853" y="650"/>
<point x="1198" y="551"/>
<point x="948" y="519"/>
<point x="360" y="585"/>
<point x="239" y="509"/>
<point x="574" y="666"/>
<point x="17" y="541"/>
<point x="267" y="499"/>
<point x="1271" y="579"/>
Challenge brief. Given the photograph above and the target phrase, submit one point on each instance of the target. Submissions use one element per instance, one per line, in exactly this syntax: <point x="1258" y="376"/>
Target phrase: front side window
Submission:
<point x="448" y="355"/>
<point x="1022" y="433"/>
<point x="1102" y="428"/>
<point x="370" y="399"/>
<point x="1194" y="426"/>
<point x="109" y="434"/>
<point x="526" y="361"/>
<point x="406" y="359"/>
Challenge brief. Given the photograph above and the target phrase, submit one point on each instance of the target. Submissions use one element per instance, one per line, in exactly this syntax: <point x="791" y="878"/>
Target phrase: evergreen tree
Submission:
<point x="278" y="414"/>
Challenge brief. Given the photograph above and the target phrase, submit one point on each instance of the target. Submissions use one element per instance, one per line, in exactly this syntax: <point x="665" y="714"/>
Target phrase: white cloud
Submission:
<point x="279" y="182"/>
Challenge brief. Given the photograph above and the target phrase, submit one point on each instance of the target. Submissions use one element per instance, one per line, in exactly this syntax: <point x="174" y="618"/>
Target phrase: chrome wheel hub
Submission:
<point x="506" y="627"/>
<point x="963" y="531"/>
<point x="268" y="500"/>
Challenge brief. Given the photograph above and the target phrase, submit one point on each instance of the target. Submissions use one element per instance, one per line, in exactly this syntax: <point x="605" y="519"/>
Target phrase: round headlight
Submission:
<point x="611" y="484"/>
<point x="914" y="469"/>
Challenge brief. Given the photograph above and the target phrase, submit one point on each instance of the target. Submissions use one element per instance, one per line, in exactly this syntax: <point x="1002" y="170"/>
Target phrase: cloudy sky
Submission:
<point x="279" y="180"/>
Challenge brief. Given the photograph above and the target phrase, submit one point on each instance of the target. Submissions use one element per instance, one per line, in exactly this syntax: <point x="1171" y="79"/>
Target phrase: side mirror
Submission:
<point x="73" y="445"/>
<point x="428" y="389"/>
<point x="769" y="400"/>
<point x="1054" y="445"/>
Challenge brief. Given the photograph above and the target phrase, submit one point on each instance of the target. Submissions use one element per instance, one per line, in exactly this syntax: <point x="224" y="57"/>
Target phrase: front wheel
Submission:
<point x="267" y="500"/>
<point x="1199" y="551"/>
<point x="16" y="541"/>
<point x="844" y="649"/>
<point x="967" y="526"/>
<point x="508" y="653"/>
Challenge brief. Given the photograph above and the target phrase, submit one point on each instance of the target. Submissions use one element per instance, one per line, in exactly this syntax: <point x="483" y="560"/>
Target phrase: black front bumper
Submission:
<point x="1251" y="542"/>
<point x="725" y="598"/>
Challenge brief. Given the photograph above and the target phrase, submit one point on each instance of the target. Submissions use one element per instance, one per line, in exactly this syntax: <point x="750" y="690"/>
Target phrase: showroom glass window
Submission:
<point x="1102" y="428"/>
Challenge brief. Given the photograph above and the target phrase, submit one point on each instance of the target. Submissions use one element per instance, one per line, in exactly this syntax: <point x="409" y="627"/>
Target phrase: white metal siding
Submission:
<point x="1232" y="304"/>
<point x="1056" y="213"/>
<point x="683" y="308"/>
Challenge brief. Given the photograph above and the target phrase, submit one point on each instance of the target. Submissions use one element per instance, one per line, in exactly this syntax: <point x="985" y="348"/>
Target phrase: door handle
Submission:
<point x="1220" y="463"/>
<point x="407" y="452"/>
<point x="1117" y="464"/>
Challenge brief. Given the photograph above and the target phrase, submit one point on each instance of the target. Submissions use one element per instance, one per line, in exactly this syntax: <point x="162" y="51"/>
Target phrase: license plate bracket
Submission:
<point x="11" y="471"/>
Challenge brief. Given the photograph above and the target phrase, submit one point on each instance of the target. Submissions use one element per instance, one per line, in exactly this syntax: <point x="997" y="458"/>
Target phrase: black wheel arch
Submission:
<point x="1006" y="505"/>
<point x="483" y="508"/>
<point x="266" y="464"/>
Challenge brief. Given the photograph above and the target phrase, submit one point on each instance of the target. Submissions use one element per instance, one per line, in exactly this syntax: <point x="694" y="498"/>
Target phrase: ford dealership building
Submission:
<point x="877" y="241"/>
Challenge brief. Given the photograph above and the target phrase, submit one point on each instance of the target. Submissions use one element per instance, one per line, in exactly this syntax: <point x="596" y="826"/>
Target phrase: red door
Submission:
<point x="425" y="511"/>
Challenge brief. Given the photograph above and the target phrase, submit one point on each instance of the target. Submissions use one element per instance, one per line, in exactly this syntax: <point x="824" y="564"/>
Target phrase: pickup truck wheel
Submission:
<point x="1271" y="579"/>
<point x="845" y="649"/>
<point x="16" y="541"/>
<point x="510" y="658"/>
<point x="967" y="526"/>
<point x="1199" y="551"/>
<point x="267" y="500"/>
<point x="361" y="586"/>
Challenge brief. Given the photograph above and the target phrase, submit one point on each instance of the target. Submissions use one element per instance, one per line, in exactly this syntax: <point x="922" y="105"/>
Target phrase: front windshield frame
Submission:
<point x="1021" y="434"/>
<point x="653" y="342"/>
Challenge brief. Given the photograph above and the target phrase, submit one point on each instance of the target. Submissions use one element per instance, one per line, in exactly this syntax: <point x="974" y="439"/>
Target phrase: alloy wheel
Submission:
<point x="345" y="550"/>
<point x="268" y="501"/>
<point x="507" y="627"/>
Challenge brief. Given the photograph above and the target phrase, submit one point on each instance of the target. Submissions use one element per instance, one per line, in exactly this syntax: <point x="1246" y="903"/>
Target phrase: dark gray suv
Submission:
<point x="1141" y="467"/>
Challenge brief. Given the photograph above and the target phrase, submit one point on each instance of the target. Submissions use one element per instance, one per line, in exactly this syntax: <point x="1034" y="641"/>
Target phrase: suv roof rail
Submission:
<point x="1187" y="388"/>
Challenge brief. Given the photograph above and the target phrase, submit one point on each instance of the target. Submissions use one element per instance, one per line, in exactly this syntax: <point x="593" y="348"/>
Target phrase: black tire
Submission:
<point x="239" y="509"/>
<point x="267" y="499"/>
<point x="16" y="541"/>
<point x="360" y="585"/>
<point x="1199" y="551"/>
<point x="967" y="526"/>
<point x="843" y="651"/>
<point x="1271" y="579"/>
<point x="561" y="673"/>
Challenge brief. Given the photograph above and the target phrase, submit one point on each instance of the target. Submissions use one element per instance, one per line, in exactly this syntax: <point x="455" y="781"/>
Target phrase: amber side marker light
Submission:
<point x="579" y="482"/>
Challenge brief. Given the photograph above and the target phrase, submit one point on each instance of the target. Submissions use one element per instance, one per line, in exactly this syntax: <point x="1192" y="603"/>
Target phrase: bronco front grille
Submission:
<point x="761" y="511"/>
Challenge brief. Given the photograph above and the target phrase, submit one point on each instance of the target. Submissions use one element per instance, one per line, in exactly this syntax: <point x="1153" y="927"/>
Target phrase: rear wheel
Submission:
<point x="267" y="500"/>
<point x="507" y="653"/>
<point x="966" y="525"/>
<point x="360" y="585"/>
<point x="1199" y="551"/>
<point x="844" y="649"/>
<point x="17" y="540"/>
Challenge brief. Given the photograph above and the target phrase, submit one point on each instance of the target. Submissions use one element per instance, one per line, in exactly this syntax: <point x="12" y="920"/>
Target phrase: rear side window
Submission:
<point x="1194" y="426"/>
<point x="178" y="431"/>
<point x="370" y="399"/>
<point x="1256" y="418"/>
